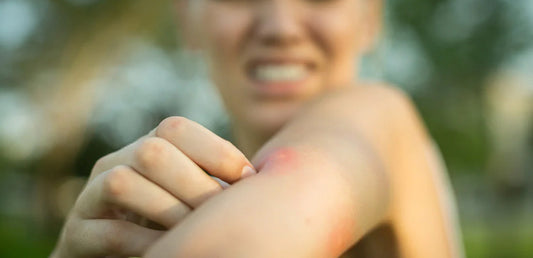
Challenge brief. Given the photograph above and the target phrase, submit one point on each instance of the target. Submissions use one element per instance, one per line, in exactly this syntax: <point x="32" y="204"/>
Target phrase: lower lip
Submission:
<point x="281" y="89"/>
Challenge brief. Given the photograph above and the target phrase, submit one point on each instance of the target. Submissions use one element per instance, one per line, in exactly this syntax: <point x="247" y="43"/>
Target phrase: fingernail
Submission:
<point x="248" y="171"/>
<point x="221" y="183"/>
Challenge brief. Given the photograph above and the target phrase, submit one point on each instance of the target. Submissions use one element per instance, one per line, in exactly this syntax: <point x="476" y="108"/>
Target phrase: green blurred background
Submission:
<point x="81" y="78"/>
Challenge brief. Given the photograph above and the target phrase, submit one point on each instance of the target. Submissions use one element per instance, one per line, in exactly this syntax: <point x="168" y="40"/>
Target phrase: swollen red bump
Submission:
<point x="285" y="158"/>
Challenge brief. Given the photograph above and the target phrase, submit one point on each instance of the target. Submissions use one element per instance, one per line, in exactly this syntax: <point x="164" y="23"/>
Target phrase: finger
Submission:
<point x="125" y="188"/>
<point x="162" y="163"/>
<point x="94" y="238"/>
<point x="116" y="158"/>
<point x="212" y="153"/>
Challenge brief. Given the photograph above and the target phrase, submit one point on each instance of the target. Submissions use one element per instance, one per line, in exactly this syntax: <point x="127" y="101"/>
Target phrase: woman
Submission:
<point x="337" y="160"/>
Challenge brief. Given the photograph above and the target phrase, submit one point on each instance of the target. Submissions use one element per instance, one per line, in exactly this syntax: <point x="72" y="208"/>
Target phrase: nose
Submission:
<point x="278" y="23"/>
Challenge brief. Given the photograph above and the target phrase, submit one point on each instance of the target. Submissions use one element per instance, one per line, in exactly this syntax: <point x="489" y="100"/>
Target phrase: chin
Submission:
<point x="268" y="118"/>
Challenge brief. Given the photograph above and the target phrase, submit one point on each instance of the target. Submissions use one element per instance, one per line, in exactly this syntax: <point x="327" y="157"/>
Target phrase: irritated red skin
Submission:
<point x="286" y="157"/>
<point x="340" y="232"/>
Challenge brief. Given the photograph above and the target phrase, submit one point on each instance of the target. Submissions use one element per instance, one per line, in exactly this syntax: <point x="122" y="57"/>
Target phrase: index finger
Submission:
<point x="212" y="153"/>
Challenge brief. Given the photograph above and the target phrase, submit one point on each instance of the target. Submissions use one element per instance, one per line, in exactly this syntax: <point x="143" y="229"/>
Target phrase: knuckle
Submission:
<point x="115" y="182"/>
<point x="151" y="152"/>
<point x="101" y="164"/>
<point x="172" y="125"/>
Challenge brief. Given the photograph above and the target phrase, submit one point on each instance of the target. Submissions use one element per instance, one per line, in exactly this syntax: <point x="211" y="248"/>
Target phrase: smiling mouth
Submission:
<point x="279" y="73"/>
<point x="279" y="77"/>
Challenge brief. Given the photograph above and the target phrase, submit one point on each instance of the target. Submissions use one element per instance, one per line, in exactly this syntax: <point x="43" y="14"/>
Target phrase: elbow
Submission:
<point x="344" y="200"/>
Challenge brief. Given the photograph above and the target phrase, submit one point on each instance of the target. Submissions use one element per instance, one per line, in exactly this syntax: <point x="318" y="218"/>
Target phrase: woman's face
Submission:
<point x="269" y="57"/>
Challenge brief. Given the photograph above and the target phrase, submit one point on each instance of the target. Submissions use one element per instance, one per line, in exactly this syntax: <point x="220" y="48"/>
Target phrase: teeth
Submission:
<point x="286" y="72"/>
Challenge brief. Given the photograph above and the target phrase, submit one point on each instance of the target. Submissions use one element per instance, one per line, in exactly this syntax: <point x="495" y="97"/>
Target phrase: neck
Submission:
<point x="249" y="141"/>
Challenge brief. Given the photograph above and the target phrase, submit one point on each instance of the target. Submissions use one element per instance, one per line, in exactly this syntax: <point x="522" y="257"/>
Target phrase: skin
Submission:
<point x="157" y="179"/>
<point x="328" y="34"/>
<point x="335" y="159"/>
<point x="342" y="186"/>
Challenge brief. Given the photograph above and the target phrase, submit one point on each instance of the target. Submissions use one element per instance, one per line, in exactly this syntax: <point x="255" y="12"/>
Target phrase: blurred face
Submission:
<point x="269" y="57"/>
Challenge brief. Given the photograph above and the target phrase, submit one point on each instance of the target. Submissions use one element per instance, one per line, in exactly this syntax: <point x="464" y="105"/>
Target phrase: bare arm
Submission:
<point x="423" y="211"/>
<point x="324" y="181"/>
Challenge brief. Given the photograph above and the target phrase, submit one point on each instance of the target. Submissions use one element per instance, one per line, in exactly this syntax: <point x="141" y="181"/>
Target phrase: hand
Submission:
<point x="159" y="177"/>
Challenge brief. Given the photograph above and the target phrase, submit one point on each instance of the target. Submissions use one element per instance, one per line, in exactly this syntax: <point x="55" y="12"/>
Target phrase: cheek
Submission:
<point x="224" y="31"/>
<point x="342" y="38"/>
<point x="339" y="35"/>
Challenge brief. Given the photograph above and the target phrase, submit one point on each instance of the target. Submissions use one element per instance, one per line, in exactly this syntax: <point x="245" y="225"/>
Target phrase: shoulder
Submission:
<point x="386" y="95"/>
<point x="371" y="96"/>
<point x="394" y="103"/>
